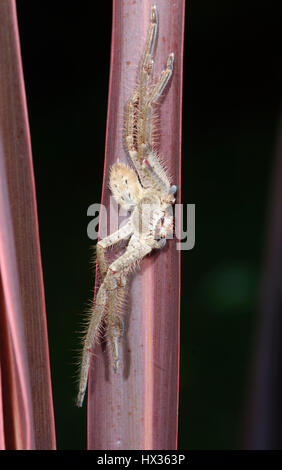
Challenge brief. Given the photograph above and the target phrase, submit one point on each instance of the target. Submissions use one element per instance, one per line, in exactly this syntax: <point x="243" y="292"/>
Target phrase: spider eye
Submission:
<point x="172" y="189"/>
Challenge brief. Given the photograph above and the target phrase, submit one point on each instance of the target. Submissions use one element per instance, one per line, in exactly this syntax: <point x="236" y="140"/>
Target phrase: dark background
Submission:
<point x="232" y="96"/>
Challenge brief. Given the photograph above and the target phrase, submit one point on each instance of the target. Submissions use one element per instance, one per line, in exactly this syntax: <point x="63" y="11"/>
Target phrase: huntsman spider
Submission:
<point x="146" y="194"/>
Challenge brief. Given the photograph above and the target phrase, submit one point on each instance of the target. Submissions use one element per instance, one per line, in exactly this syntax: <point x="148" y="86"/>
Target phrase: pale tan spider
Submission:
<point x="148" y="197"/>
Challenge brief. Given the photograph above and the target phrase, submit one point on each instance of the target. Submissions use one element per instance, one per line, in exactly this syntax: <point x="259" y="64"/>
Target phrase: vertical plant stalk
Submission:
<point x="2" y="436"/>
<point x="26" y="407"/>
<point x="263" y="410"/>
<point x="137" y="408"/>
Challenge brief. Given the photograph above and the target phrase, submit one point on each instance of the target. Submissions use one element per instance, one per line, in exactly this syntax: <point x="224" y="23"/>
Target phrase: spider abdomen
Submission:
<point x="125" y="186"/>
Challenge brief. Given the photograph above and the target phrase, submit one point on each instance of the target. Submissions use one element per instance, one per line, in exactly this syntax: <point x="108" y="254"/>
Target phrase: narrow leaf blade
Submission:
<point x="26" y="386"/>
<point x="137" y="408"/>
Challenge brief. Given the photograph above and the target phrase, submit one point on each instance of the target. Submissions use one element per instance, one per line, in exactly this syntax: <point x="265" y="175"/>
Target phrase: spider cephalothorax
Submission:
<point x="146" y="194"/>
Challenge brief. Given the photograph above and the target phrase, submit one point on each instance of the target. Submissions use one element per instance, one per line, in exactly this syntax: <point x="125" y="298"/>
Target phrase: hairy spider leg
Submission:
<point x="132" y="119"/>
<point x="135" y="114"/>
<point x="93" y="328"/>
<point x="100" y="307"/>
<point x="151" y="165"/>
<point x="130" y="130"/>
<point x="139" y="116"/>
<point x="164" y="78"/>
<point x="106" y="242"/>
<point x="146" y="64"/>
<point x="146" y="68"/>
<point x="154" y="170"/>
<point x="112" y="284"/>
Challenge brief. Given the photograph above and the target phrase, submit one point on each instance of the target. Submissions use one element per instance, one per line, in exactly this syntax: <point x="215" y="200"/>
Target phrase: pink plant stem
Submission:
<point x="137" y="408"/>
<point x="263" y="399"/>
<point x="2" y="436"/>
<point x="27" y="409"/>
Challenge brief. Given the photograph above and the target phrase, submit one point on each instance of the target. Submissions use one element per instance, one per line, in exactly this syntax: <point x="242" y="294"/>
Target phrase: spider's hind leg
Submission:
<point x="115" y="281"/>
<point x="107" y="242"/>
<point x="92" y="332"/>
<point x="115" y="323"/>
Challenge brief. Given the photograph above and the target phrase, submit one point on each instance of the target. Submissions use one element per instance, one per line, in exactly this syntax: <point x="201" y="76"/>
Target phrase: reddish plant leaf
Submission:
<point x="263" y="402"/>
<point x="26" y="420"/>
<point x="137" y="408"/>
<point x="2" y="437"/>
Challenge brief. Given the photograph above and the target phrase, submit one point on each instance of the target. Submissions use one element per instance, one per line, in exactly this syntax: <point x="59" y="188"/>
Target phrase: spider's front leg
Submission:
<point x="139" y="115"/>
<point x="159" y="87"/>
<point x="138" y="121"/>
<point x="115" y="281"/>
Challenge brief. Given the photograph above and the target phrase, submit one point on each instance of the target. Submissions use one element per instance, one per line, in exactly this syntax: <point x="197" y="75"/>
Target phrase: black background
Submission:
<point x="232" y="97"/>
